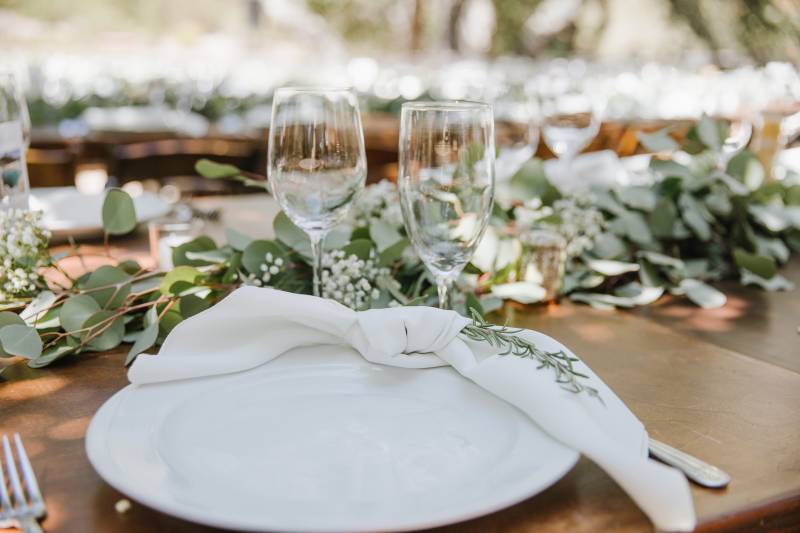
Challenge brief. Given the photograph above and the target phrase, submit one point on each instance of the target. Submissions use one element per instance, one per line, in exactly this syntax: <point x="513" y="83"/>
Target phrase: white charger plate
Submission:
<point x="69" y="213"/>
<point x="322" y="440"/>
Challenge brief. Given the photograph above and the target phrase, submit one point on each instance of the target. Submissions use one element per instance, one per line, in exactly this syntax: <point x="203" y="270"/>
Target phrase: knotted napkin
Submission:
<point x="253" y="325"/>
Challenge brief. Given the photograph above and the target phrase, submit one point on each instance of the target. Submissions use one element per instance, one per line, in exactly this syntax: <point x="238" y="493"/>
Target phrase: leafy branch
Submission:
<point x="512" y="343"/>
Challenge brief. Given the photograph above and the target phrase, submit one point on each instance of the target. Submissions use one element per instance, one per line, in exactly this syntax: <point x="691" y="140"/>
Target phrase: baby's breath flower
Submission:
<point x="23" y="250"/>
<point x="350" y="280"/>
<point x="578" y="221"/>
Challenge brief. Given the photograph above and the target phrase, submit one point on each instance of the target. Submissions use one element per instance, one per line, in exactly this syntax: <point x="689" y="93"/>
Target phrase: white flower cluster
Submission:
<point x="349" y="280"/>
<point x="23" y="249"/>
<point x="270" y="267"/>
<point x="579" y="221"/>
<point x="380" y="200"/>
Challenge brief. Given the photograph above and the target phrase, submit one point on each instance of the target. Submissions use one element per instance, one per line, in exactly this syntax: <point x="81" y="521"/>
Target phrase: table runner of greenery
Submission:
<point x="627" y="246"/>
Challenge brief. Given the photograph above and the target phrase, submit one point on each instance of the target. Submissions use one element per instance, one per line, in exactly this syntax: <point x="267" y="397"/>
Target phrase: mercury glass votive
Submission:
<point x="542" y="260"/>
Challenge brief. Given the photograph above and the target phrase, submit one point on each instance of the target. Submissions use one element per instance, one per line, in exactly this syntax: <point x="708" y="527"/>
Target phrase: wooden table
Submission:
<point x="721" y="384"/>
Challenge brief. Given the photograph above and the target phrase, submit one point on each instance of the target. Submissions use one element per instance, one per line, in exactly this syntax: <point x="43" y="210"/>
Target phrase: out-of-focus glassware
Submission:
<point x="570" y="117"/>
<point x="14" y="128"/>
<point x="516" y="128"/>
<point x="316" y="160"/>
<point x="543" y="260"/>
<point x="446" y="182"/>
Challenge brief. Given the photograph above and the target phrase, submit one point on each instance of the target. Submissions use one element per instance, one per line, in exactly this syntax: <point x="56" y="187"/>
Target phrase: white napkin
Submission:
<point x="254" y="325"/>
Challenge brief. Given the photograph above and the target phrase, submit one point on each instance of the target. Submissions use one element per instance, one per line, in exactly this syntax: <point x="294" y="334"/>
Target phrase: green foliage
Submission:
<point x="119" y="214"/>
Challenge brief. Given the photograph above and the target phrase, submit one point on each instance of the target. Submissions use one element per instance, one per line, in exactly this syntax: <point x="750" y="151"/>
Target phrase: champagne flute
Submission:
<point x="316" y="161"/>
<point x="14" y="128"/>
<point x="446" y="181"/>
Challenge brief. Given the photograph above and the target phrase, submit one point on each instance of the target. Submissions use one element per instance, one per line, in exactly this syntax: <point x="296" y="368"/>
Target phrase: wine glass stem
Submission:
<point x="317" y="239"/>
<point x="443" y="286"/>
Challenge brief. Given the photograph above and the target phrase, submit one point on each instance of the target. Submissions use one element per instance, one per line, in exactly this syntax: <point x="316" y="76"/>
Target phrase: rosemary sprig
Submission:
<point x="506" y="338"/>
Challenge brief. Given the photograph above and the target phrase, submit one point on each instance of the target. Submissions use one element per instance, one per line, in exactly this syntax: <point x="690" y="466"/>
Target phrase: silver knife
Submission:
<point x="698" y="471"/>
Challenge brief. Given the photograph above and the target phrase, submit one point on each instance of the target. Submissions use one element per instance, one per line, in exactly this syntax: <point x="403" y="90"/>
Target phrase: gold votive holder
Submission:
<point x="543" y="259"/>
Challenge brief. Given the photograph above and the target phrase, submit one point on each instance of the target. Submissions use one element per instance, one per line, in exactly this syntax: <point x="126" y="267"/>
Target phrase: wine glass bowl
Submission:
<point x="569" y="116"/>
<point x="14" y="132"/>
<point x="316" y="159"/>
<point x="446" y="183"/>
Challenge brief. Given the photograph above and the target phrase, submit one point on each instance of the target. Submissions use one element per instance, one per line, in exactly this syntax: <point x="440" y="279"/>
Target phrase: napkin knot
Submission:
<point x="381" y="335"/>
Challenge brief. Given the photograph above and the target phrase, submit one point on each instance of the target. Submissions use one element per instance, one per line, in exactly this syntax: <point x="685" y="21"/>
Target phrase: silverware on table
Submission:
<point x="24" y="506"/>
<point x="696" y="470"/>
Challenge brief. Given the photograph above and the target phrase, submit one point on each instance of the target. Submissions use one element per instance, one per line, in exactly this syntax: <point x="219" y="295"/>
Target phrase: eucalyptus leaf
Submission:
<point x="291" y="235"/>
<point x="669" y="169"/>
<point x="237" y="240"/>
<point x="113" y="329"/>
<point x="214" y="170"/>
<point x="179" y="274"/>
<point x="360" y="248"/>
<point x="21" y="340"/>
<point x="702" y="294"/>
<point x="119" y="214"/>
<point x="51" y="355"/>
<point x="760" y="265"/>
<point x="200" y="244"/>
<point x="769" y="216"/>
<point x="35" y="310"/>
<point x="393" y="253"/>
<point x="708" y="131"/>
<point x="383" y="234"/>
<point x="601" y="301"/>
<point x="775" y="283"/>
<point x="638" y="293"/>
<point x="521" y="291"/>
<point x="663" y="217"/>
<point x="611" y="268"/>
<point x="255" y="254"/>
<point x="662" y="259"/>
<point x="147" y="338"/>
<point x="636" y="228"/>
<point x="658" y="141"/>
<point x="116" y="281"/>
<point x="608" y="246"/>
<point x="76" y="310"/>
<point x="694" y="214"/>
<point x="217" y="257"/>
<point x="746" y="167"/>
<point x="192" y="304"/>
<point x="637" y="197"/>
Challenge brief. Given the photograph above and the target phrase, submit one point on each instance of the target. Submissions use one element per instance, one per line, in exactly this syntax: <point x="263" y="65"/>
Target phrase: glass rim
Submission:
<point x="321" y="89"/>
<point x="445" y="105"/>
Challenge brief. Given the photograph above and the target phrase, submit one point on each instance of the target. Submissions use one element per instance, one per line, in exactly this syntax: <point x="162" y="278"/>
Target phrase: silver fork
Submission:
<point x="16" y="507"/>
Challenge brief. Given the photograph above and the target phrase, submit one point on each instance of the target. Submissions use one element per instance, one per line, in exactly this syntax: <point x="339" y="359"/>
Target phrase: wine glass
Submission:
<point x="446" y="182"/>
<point x="570" y="118"/>
<point x="14" y="128"/>
<point x="517" y="133"/>
<point x="316" y="161"/>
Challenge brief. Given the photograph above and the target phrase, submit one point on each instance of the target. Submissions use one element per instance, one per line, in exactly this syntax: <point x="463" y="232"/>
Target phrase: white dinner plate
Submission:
<point x="322" y="440"/>
<point x="67" y="212"/>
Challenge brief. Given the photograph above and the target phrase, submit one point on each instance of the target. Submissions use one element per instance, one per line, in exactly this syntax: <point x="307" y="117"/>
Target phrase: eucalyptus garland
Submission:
<point x="693" y="225"/>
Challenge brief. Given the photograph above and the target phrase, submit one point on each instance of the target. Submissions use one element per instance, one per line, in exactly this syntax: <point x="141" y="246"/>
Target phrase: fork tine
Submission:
<point x="31" y="485"/>
<point x="16" y="487"/>
<point x="5" y="502"/>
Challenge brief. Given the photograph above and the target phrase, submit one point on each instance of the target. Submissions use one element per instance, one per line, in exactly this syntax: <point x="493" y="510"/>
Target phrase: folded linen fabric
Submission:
<point x="254" y="325"/>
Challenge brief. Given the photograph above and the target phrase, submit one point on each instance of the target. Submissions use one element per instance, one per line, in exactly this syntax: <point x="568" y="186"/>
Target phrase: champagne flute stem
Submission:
<point x="317" y="239"/>
<point x="443" y="286"/>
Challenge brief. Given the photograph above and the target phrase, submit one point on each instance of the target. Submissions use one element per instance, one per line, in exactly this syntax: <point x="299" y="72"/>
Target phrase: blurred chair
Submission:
<point x="52" y="164"/>
<point x="171" y="161"/>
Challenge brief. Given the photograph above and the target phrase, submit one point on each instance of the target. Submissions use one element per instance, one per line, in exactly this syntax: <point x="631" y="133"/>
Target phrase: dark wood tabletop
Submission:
<point x="721" y="384"/>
